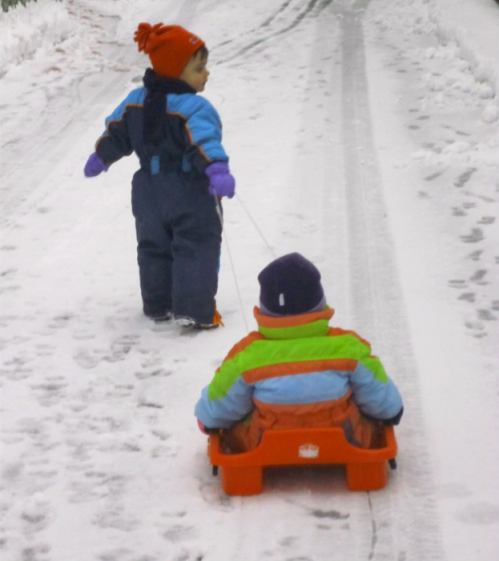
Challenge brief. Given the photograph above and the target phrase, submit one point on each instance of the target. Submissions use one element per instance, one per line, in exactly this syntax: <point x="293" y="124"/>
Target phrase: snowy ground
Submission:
<point x="365" y="135"/>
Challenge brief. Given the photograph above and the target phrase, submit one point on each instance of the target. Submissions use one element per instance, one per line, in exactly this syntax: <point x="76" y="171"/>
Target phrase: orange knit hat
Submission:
<point x="169" y="47"/>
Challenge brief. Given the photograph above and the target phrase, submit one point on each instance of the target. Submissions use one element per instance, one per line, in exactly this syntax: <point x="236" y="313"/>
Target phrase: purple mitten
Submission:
<point x="222" y="184"/>
<point x="94" y="166"/>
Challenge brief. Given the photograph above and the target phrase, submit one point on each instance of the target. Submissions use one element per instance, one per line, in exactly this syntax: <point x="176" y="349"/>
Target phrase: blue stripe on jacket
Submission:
<point x="381" y="400"/>
<point x="301" y="389"/>
<point x="223" y="413"/>
<point x="203" y="122"/>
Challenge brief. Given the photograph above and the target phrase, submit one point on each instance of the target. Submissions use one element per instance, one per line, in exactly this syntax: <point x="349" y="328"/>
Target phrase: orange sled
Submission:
<point x="242" y="474"/>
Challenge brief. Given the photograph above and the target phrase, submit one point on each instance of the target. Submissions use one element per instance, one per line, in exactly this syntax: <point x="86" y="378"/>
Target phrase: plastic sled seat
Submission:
<point x="242" y="474"/>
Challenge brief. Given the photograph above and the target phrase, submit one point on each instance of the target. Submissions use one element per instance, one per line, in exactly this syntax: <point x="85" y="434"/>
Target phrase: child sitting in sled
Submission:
<point x="296" y="370"/>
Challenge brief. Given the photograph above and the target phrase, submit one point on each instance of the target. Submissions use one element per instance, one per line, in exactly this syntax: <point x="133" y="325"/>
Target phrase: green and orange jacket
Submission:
<point x="297" y="366"/>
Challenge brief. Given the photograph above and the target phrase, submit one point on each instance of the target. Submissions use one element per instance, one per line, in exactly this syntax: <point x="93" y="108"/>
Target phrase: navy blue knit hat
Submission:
<point x="290" y="285"/>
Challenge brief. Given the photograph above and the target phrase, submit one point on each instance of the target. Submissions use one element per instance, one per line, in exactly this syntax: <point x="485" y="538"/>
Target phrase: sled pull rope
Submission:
<point x="256" y="226"/>
<point x="224" y="234"/>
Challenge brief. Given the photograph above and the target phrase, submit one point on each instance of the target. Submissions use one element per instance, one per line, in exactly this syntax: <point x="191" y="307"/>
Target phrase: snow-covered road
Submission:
<point x="363" y="134"/>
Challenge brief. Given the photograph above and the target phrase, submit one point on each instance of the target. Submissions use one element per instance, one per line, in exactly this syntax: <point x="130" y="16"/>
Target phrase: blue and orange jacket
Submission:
<point x="298" y="371"/>
<point x="192" y="141"/>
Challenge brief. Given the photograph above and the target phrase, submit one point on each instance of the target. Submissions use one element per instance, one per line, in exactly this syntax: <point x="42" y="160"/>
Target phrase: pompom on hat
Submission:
<point x="291" y="285"/>
<point x="169" y="47"/>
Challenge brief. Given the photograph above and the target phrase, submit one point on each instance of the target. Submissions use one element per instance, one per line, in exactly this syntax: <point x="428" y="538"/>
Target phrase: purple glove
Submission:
<point x="94" y="166"/>
<point x="222" y="184"/>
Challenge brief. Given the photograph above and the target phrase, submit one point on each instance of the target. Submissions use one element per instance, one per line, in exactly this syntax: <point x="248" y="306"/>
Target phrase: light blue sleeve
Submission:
<point x="203" y="123"/>
<point x="223" y="413"/>
<point x="378" y="399"/>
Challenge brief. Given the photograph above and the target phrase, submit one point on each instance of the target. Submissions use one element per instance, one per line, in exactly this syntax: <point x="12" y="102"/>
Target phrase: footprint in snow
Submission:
<point x="433" y="176"/>
<point x="49" y="393"/>
<point x="478" y="276"/>
<point x="116" y="518"/>
<point x="457" y="283"/>
<point x="36" y="514"/>
<point x="469" y="205"/>
<point x="476" y="328"/>
<point x="83" y="335"/>
<point x="211" y="492"/>
<point x="88" y="359"/>
<point x="16" y="369"/>
<point x="121" y="347"/>
<point x="475" y="255"/>
<point x="330" y="514"/>
<point x="61" y="321"/>
<point x="288" y="541"/>
<point x="157" y="373"/>
<point x="487" y="220"/>
<point x="38" y="552"/>
<point x="178" y="533"/>
<point x="486" y="315"/>
<point x="165" y="451"/>
<point x="475" y="236"/>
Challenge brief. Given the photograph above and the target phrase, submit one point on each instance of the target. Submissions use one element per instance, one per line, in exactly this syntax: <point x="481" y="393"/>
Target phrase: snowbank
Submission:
<point x="474" y="27"/>
<point x="26" y="29"/>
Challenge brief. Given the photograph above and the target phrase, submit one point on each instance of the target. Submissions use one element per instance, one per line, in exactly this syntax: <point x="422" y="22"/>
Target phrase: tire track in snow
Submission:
<point x="271" y="32"/>
<point x="266" y="23"/>
<point x="404" y="527"/>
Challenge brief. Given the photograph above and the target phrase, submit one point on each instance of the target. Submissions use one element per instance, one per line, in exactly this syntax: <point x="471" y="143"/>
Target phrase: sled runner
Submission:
<point x="242" y="474"/>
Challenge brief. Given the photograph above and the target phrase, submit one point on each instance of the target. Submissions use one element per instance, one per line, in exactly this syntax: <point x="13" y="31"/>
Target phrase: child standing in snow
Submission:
<point x="177" y="136"/>
<point x="296" y="371"/>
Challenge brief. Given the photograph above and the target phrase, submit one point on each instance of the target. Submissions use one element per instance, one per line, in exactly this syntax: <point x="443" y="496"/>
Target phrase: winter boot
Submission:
<point x="193" y="324"/>
<point x="159" y="316"/>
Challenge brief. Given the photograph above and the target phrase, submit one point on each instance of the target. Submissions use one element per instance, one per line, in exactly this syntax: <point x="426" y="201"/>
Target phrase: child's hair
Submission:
<point x="203" y="51"/>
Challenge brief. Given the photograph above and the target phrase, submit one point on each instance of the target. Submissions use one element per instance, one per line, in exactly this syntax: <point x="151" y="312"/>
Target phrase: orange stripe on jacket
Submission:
<point x="304" y="367"/>
<point x="290" y="321"/>
<point x="191" y="140"/>
<point x="337" y="332"/>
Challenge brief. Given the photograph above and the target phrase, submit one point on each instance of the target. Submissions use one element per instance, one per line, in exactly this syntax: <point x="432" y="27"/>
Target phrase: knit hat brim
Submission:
<point x="320" y="306"/>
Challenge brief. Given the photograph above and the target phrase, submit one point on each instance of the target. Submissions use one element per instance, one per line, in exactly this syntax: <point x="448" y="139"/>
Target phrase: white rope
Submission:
<point x="220" y="216"/>
<point x="256" y="226"/>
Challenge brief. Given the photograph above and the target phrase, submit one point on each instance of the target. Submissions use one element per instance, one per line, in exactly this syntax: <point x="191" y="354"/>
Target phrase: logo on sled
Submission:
<point x="308" y="451"/>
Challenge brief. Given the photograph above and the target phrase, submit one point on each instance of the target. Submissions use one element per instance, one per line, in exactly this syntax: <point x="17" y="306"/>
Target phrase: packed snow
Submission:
<point x="363" y="134"/>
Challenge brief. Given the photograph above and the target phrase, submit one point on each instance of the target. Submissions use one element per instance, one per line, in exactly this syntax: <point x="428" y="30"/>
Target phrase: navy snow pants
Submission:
<point x="179" y="235"/>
